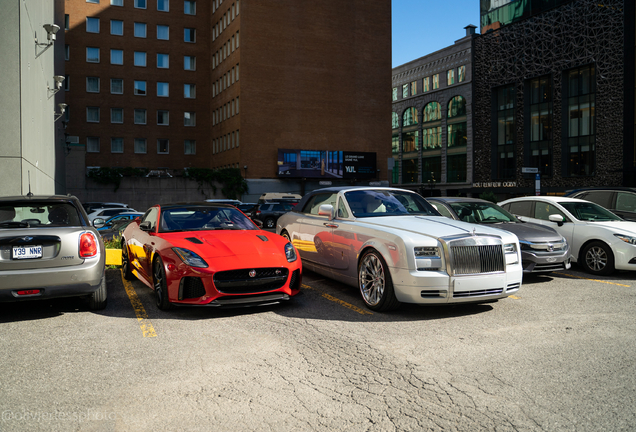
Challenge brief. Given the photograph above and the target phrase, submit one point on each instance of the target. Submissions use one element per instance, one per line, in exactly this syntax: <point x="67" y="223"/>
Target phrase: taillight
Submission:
<point x="28" y="292"/>
<point x="87" y="245"/>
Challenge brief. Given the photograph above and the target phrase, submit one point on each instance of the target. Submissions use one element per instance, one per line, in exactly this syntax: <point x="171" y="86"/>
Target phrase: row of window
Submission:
<point x="226" y="142"/>
<point x="225" y="20"/>
<point x="457" y="137"/>
<point x="139" y="58"/>
<point x="93" y="85"/>
<point x="140" y="145"/>
<point x="431" y="169"/>
<point x="140" y="116"/>
<point x="140" y="29"/>
<point x="225" y="81"/>
<point x="224" y="52"/>
<point x="189" y="6"/>
<point x="453" y="76"/>
<point x="431" y="112"/>
<point x="226" y="111"/>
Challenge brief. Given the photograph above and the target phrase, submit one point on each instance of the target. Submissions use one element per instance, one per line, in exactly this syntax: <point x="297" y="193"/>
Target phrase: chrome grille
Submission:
<point x="477" y="259"/>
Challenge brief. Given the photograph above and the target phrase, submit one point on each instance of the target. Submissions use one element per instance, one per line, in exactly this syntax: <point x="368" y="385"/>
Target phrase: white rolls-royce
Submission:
<point x="395" y="247"/>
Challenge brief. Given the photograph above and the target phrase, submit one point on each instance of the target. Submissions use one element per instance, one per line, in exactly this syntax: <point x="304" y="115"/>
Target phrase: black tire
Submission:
<point x="269" y="223"/>
<point x="285" y="235"/>
<point x="125" y="262"/>
<point x="161" y="288"/>
<point x="375" y="284"/>
<point x="597" y="258"/>
<point x="98" y="300"/>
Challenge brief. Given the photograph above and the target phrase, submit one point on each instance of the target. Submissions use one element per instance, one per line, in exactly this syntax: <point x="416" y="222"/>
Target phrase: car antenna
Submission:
<point x="30" y="194"/>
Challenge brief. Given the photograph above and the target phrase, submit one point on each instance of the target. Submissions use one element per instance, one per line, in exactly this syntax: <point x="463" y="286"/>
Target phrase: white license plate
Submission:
<point x="27" y="252"/>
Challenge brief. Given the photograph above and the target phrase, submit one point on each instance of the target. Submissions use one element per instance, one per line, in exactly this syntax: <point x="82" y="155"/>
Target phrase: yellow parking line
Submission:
<point x="513" y="297"/>
<point x="594" y="280"/>
<point x="142" y="317"/>
<point x="340" y="302"/>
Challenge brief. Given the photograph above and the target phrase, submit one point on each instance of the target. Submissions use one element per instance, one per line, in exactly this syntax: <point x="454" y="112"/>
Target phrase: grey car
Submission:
<point x="48" y="249"/>
<point x="542" y="248"/>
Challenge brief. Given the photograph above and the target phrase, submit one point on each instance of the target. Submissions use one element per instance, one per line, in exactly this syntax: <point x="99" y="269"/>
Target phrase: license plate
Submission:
<point x="27" y="252"/>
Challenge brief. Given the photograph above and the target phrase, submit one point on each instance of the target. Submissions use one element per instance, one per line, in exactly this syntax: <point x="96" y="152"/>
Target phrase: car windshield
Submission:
<point x="590" y="212"/>
<point x="372" y="203"/>
<point x="38" y="214"/>
<point x="202" y="218"/>
<point x="480" y="212"/>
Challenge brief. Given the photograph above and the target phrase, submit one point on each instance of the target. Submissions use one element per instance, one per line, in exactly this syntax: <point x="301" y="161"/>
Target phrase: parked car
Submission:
<point x="619" y="200"/>
<point x="395" y="247"/>
<point x="269" y="213"/>
<point x="599" y="240"/>
<point x="246" y="207"/>
<point x="224" y="201"/>
<point x="205" y="254"/>
<point x="90" y="207"/>
<point x="102" y="224"/>
<point x="107" y="213"/>
<point x="115" y="230"/>
<point x="49" y="249"/>
<point x="279" y="197"/>
<point x="542" y="248"/>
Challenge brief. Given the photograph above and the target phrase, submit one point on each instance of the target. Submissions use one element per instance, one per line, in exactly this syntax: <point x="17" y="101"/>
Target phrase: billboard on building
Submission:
<point x="326" y="164"/>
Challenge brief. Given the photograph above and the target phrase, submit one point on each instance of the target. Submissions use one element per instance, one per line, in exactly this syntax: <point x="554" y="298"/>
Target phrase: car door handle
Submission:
<point x="330" y="225"/>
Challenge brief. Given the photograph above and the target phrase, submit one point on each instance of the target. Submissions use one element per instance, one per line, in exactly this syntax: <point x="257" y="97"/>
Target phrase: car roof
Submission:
<point x="546" y="198"/>
<point x="458" y="199"/>
<point x="601" y="188"/>
<point x="25" y="198"/>
<point x="337" y="189"/>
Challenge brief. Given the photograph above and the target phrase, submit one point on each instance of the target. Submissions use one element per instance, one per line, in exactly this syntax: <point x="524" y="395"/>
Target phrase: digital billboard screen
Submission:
<point x="326" y="164"/>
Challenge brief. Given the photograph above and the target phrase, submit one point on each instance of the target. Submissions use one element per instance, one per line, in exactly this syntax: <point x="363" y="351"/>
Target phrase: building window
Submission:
<point x="163" y="32"/>
<point x="395" y="120"/>
<point x="432" y="139"/>
<point x="189" y="118"/>
<point x="140" y="116"/>
<point x="409" y="171"/>
<point x="456" y="140"/>
<point x="92" y="114"/>
<point x="140" y="4"/>
<point x="431" y="169"/>
<point x="163" y="89"/>
<point x="140" y="58"/>
<point x="67" y="85"/>
<point x="405" y="91"/>
<point x="190" y="147"/>
<point x="395" y="145"/>
<point x="394" y="94"/>
<point x="189" y="91"/>
<point x="456" y="107"/>
<point x="92" y="84"/>
<point x="426" y="84"/>
<point x="116" y="145"/>
<point x="140" y="88"/>
<point x="67" y="53"/>
<point x="140" y="145"/>
<point x="92" y="144"/>
<point x="450" y="76"/>
<point x="432" y="112"/>
<point x="140" y="30"/>
<point x="189" y="63"/>
<point x="116" y="2"/>
<point x="539" y="125"/>
<point x="92" y="25"/>
<point x="163" y="61"/>
<point x="163" y="5"/>
<point x="457" y="135"/>
<point x="190" y="7"/>
<point x="66" y="22"/>
<point x="505" y="164"/>
<point x="461" y="73"/>
<point x="117" y="27"/>
<point x="410" y="142"/>
<point x="163" y="118"/>
<point x="435" y="81"/>
<point x="580" y="87"/>
<point x="189" y="35"/>
<point x="163" y="146"/>
<point x="409" y="118"/>
<point x="92" y="55"/>
<point x="456" y="170"/>
<point x="116" y="86"/>
<point x="116" y="57"/>
<point x="116" y="115"/>
<point x="413" y="88"/>
<point x="92" y="1"/>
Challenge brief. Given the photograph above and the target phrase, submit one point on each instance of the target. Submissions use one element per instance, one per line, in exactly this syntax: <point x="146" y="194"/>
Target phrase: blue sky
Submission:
<point x="421" y="27"/>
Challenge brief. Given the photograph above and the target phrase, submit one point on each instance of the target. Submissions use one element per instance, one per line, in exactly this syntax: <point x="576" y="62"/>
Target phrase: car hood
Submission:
<point x="529" y="231"/>
<point x="434" y="226"/>
<point x="626" y="227"/>
<point x="244" y="244"/>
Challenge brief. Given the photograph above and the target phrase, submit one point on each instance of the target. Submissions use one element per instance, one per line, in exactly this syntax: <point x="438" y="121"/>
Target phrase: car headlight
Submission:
<point x="290" y="253"/>
<point x="510" y="250"/>
<point x="190" y="258"/>
<point x="426" y="252"/>
<point x="626" y="238"/>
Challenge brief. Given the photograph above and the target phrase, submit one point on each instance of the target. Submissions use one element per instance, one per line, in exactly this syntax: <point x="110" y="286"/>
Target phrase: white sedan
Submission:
<point x="395" y="247"/>
<point x="600" y="241"/>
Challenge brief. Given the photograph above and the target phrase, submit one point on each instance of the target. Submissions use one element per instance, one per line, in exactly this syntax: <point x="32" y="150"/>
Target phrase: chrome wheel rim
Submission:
<point x="158" y="282"/>
<point x="596" y="258"/>
<point x="372" y="280"/>
<point x="269" y="223"/>
<point x="124" y="257"/>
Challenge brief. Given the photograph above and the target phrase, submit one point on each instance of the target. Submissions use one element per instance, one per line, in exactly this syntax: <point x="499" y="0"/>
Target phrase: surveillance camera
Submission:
<point x="62" y="107"/>
<point x="51" y="29"/>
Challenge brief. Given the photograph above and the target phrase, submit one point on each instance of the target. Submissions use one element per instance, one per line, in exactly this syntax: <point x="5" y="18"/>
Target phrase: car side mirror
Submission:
<point x="556" y="218"/>
<point x="146" y="226"/>
<point x="99" y="223"/>
<point x="326" y="210"/>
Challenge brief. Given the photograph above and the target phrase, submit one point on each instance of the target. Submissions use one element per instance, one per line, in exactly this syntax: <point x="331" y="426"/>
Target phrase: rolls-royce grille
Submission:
<point x="477" y="259"/>
<point x="242" y="282"/>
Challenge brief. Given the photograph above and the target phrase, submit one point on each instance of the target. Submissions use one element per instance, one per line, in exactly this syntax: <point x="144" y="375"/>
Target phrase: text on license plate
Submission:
<point x="25" y="252"/>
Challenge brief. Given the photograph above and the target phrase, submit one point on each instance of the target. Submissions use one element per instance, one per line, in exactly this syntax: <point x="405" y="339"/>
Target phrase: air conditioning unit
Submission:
<point x="72" y="140"/>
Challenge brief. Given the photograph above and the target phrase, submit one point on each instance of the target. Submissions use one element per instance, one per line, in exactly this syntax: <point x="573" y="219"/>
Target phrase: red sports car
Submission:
<point x="206" y="254"/>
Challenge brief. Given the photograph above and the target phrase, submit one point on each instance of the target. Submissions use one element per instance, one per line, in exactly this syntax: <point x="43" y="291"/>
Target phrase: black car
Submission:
<point x="542" y="248"/>
<point x="269" y="212"/>
<point x="618" y="200"/>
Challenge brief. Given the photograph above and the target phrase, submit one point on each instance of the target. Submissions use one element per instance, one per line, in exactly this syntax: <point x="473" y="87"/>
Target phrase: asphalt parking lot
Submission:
<point x="559" y="355"/>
